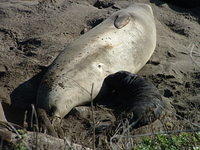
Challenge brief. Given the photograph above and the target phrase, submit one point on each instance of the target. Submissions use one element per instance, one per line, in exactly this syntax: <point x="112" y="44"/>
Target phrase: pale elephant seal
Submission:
<point x="124" y="41"/>
<point x="132" y="95"/>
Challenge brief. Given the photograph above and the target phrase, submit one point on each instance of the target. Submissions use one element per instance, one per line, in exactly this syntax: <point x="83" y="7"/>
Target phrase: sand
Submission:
<point x="33" y="33"/>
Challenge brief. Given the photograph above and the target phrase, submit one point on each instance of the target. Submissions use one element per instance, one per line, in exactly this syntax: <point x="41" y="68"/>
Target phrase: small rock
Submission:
<point x="84" y="30"/>
<point x="153" y="62"/>
<point x="82" y="111"/>
<point x="187" y="85"/>
<point x="104" y="3"/>
<point x="170" y="54"/>
<point x="168" y="93"/>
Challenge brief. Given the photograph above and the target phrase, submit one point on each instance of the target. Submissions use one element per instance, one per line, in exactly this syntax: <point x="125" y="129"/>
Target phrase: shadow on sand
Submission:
<point x="21" y="99"/>
<point x="182" y="6"/>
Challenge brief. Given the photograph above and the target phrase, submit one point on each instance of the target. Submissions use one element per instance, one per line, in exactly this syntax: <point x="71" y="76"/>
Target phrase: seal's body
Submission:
<point x="132" y="95"/>
<point x="124" y="41"/>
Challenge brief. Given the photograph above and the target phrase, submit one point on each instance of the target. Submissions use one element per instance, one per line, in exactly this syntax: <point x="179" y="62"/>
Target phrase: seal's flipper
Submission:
<point x="122" y="20"/>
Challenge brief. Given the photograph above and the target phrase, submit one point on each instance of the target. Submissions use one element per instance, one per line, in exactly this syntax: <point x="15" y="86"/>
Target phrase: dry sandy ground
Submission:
<point x="32" y="33"/>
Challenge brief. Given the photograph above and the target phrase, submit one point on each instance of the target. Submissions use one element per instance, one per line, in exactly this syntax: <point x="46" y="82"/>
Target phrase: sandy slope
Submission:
<point x="32" y="33"/>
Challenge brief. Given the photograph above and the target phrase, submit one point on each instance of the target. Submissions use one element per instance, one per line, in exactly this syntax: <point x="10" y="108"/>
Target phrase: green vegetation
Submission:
<point x="20" y="146"/>
<point x="188" y="141"/>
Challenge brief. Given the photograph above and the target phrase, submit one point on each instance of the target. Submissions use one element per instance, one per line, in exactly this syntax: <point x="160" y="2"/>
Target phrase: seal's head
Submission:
<point x="123" y="18"/>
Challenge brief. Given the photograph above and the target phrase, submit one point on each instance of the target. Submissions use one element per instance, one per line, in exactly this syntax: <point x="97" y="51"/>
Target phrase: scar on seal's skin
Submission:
<point x="132" y="94"/>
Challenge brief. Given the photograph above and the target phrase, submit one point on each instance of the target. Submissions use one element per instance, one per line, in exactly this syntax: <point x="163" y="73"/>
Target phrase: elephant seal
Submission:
<point x="124" y="41"/>
<point x="133" y="95"/>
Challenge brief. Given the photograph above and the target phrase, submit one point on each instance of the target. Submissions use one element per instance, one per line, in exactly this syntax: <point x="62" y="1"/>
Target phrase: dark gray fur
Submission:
<point x="132" y="94"/>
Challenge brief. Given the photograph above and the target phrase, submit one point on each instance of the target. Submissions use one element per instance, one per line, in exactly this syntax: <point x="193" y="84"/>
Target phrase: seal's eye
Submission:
<point x="99" y="66"/>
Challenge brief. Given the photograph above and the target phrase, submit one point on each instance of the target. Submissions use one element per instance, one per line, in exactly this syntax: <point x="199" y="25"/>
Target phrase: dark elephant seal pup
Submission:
<point x="132" y="95"/>
<point x="124" y="41"/>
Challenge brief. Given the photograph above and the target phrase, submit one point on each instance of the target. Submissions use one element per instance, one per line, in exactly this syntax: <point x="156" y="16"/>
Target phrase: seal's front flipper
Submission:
<point x="122" y="20"/>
